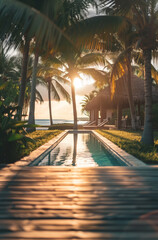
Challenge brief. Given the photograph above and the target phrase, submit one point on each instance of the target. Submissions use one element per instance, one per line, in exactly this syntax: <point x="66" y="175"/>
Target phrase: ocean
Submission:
<point x="46" y="122"/>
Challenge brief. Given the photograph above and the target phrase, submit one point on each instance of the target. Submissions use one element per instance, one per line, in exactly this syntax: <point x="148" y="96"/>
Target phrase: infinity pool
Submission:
<point x="80" y="150"/>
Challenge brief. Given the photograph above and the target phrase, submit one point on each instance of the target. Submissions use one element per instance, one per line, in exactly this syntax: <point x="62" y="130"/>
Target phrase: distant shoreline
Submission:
<point x="46" y="122"/>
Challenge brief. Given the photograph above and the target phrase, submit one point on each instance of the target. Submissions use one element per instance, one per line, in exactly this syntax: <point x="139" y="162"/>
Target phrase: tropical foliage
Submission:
<point x="87" y="98"/>
<point x="12" y="134"/>
<point x="77" y="65"/>
<point x="52" y="78"/>
<point x="62" y="29"/>
<point x="142" y="16"/>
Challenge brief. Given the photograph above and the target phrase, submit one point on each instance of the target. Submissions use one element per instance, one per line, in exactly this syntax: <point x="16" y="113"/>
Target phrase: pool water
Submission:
<point x="80" y="150"/>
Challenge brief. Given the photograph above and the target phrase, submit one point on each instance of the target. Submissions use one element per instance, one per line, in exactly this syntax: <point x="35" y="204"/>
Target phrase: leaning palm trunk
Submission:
<point x="23" y="77"/>
<point x="147" y="137"/>
<point x="33" y="93"/>
<point x="129" y="91"/>
<point x="49" y="99"/>
<point x="74" y="103"/>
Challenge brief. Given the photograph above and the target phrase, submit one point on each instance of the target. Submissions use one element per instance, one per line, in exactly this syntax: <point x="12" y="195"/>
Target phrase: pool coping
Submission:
<point x="128" y="159"/>
<point x="30" y="159"/>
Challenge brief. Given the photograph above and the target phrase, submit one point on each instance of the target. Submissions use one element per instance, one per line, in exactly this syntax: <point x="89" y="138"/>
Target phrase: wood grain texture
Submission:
<point x="78" y="203"/>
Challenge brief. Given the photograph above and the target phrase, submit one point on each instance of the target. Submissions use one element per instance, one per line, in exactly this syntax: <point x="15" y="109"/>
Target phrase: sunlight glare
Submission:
<point x="80" y="83"/>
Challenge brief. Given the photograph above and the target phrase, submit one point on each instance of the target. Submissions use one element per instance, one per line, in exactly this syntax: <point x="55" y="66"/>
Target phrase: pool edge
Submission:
<point x="34" y="157"/>
<point x="127" y="158"/>
<point x="43" y="149"/>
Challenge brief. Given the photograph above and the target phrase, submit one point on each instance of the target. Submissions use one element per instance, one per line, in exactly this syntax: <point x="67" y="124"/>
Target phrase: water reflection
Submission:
<point x="75" y="149"/>
<point x="81" y="150"/>
<point x="99" y="153"/>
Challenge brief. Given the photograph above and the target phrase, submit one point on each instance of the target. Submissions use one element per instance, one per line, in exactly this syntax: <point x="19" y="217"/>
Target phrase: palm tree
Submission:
<point x="143" y="17"/>
<point x="139" y="68"/>
<point x="23" y="75"/>
<point x="100" y="33"/>
<point x="10" y="72"/>
<point x="53" y="79"/>
<point x="121" y="41"/>
<point x="122" y="68"/>
<point x="39" y="98"/>
<point x="87" y="98"/>
<point x="77" y="65"/>
<point x="23" y="20"/>
<point x="27" y="95"/>
<point x="31" y="119"/>
<point x="9" y="78"/>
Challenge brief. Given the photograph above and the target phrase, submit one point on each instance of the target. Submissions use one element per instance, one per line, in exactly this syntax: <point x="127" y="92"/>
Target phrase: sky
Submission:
<point x="62" y="109"/>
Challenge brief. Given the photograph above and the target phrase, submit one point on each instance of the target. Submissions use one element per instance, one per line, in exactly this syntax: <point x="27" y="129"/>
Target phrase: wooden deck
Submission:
<point x="78" y="203"/>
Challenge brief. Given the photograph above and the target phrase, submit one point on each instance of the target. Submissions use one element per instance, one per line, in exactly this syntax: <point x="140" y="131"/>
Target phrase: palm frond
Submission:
<point x="95" y="74"/>
<point x="49" y="71"/>
<point x="63" y="91"/>
<point x="91" y="59"/>
<point x="39" y="97"/>
<point x="50" y="60"/>
<point x="155" y="56"/>
<point x="67" y="74"/>
<point x="138" y="70"/>
<point x="61" y="79"/>
<point x="31" y="21"/>
<point x="86" y="99"/>
<point x="154" y="74"/>
<point x="119" y="69"/>
<point x="86" y="33"/>
<point x="122" y="7"/>
<point x="55" y="93"/>
<point x="41" y="81"/>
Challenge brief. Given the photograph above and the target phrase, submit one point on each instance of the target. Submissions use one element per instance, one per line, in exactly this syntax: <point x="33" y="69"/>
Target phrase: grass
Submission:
<point x="130" y="142"/>
<point x="39" y="137"/>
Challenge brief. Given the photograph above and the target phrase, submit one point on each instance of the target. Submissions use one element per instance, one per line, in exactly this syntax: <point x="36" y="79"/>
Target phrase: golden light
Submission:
<point x="82" y="82"/>
<point x="78" y="83"/>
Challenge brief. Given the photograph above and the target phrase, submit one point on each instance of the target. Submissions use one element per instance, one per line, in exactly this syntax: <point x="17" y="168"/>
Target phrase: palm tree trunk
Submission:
<point x="23" y="77"/>
<point x="33" y="93"/>
<point x="49" y="99"/>
<point x="119" y="115"/>
<point x="129" y="90"/>
<point x="147" y="137"/>
<point x="74" y="103"/>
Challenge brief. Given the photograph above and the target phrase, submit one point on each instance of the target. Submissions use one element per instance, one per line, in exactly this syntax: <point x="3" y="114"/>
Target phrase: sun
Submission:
<point x="78" y="83"/>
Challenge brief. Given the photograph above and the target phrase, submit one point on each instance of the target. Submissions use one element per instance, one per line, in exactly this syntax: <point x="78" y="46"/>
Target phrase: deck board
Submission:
<point x="78" y="203"/>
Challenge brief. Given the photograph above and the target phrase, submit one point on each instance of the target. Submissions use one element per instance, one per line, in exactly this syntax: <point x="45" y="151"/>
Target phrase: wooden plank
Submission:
<point x="79" y="203"/>
<point x="76" y="235"/>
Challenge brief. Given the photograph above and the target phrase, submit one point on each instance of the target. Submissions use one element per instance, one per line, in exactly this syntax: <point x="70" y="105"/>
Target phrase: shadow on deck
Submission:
<point x="79" y="203"/>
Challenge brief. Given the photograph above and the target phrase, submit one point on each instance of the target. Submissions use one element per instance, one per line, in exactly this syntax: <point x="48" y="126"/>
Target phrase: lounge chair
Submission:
<point x="105" y="121"/>
<point x="92" y="125"/>
<point x="89" y="123"/>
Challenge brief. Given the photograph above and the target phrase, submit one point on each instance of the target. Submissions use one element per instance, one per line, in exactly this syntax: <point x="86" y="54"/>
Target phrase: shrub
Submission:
<point x="12" y="134"/>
